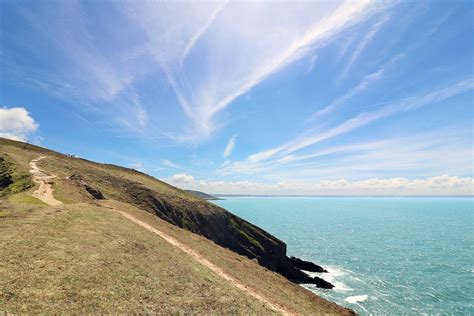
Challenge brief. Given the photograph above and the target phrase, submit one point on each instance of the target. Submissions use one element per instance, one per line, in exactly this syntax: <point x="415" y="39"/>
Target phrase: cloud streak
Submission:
<point x="360" y="87"/>
<point x="276" y="155"/>
<point x="201" y="31"/>
<point x="231" y="30"/>
<point x="363" y="44"/>
<point x="230" y="146"/>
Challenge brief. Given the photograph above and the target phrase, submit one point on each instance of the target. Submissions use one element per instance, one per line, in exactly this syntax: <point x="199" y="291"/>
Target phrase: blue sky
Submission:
<point x="326" y="97"/>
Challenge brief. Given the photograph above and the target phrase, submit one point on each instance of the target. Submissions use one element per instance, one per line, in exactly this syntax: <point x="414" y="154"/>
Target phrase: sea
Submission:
<point x="385" y="255"/>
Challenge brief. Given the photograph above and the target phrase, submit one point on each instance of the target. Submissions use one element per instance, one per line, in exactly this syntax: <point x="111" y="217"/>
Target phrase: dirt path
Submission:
<point x="45" y="194"/>
<point x="45" y="189"/>
<point x="200" y="259"/>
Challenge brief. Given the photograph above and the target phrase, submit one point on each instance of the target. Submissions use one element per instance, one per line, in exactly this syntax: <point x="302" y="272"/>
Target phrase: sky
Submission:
<point x="231" y="97"/>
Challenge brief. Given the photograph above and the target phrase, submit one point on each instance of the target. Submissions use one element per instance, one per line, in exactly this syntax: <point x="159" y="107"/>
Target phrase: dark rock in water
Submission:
<point x="306" y="265"/>
<point x="298" y="276"/>
<point x="322" y="283"/>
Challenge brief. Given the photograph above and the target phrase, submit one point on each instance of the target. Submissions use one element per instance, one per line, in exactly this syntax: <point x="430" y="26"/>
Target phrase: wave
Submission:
<point x="333" y="276"/>
<point x="356" y="298"/>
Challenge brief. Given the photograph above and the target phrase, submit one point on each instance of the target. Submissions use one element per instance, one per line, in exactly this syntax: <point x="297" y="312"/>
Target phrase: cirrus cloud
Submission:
<point x="230" y="146"/>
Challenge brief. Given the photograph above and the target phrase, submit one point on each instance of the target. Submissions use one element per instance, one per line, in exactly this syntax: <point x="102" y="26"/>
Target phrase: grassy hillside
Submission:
<point x="169" y="203"/>
<point x="83" y="257"/>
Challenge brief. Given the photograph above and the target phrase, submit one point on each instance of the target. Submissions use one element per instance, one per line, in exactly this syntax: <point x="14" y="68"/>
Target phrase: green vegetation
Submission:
<point x="12" y="180"/>
<point x="25" y="198"/>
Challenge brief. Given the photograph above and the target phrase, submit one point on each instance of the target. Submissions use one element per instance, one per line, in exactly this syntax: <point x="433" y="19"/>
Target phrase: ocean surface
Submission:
<point x="384" y="255"/>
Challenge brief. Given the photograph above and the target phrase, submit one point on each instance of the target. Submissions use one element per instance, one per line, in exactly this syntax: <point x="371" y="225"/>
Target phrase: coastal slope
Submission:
<point x="107" y="256"/>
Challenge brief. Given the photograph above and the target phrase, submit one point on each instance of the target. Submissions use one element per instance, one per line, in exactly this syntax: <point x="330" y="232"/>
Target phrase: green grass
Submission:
<point x="25" y="198"/>
<point x="12" y="178"/>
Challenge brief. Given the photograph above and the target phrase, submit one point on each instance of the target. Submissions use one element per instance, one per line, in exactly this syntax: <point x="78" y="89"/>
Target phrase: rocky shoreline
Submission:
<point x="296" y="273"/>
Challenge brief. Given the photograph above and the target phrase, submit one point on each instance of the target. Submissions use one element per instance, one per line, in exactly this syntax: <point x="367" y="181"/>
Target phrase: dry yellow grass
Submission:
<point x="278" y="289"/>
<point x="86" y="259"/>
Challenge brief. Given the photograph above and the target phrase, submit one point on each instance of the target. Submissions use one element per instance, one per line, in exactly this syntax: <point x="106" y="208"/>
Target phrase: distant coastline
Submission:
<point x="343" y="196"/>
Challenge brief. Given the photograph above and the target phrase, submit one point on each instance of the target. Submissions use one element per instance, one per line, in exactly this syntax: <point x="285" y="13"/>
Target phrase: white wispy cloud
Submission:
<point x="363" y="44"/>
<point x="98" y="76"/>
<point x="171" y="164"/>
<point x="312" y="63"/>
<point x="239" y="46"/>
<point x="436" y="185"/>
<point x="435" y="153"/>
<point x="236" y="29"/>
<point x="201" y="31"/>
<point x="360" y="87"/>
<point x="259" y="161"/>
<point x="78" y="68"/>
<point x="230" y="146"/>
<point x="17" y="124"/>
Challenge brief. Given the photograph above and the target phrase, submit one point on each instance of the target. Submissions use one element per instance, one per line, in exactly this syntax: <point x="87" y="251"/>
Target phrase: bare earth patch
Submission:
<point x="45" y="189"/>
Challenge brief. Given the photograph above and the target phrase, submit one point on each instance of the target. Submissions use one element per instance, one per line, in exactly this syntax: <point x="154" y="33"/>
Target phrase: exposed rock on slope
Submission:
<point x="96" y="194"/>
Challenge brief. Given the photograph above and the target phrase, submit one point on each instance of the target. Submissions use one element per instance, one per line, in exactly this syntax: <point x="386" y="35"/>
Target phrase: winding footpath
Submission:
<point x="45" y="194"/>
<point x="45" y="189"/>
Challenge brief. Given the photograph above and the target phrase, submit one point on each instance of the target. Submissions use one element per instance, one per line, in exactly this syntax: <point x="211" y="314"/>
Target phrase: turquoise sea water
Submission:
<point x="384" y="255"/>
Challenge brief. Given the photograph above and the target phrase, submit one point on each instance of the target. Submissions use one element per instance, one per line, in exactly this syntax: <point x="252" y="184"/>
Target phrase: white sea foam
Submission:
<point x="333" y="276"/>
<point x="356" y="298"/>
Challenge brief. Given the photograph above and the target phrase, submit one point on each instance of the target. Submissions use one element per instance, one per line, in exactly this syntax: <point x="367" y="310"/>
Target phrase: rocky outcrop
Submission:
<point x="322" y="283"/>
<point x="5" y="174"/>
<point x="295" y="274"/>
<point x="306" y="265"/>
<point x="95" y="193"/>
